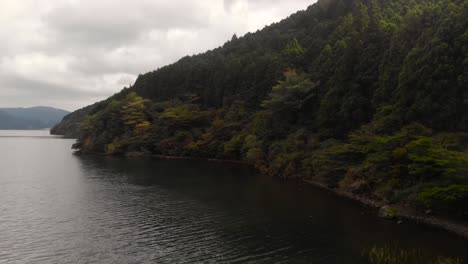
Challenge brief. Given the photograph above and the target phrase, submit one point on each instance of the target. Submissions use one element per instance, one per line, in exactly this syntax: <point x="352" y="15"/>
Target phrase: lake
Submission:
<point x="56" y="207"/>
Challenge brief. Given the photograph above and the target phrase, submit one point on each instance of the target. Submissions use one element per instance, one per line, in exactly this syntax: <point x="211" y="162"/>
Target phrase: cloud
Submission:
<point x="71" y="53"/>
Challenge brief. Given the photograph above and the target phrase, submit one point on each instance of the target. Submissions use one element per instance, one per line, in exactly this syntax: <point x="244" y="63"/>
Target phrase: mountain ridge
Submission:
<point x="38" y="117"/>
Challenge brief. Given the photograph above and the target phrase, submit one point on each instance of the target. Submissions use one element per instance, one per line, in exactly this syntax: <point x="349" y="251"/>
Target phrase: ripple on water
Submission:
<point x="60" y="208"/>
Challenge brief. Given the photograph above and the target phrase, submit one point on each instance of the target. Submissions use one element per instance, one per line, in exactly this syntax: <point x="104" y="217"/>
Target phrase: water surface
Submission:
<point x="56" y="207"/>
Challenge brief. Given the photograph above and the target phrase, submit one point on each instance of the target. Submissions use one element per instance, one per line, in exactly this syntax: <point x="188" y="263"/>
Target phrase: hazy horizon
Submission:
<point x="64" y="56"/>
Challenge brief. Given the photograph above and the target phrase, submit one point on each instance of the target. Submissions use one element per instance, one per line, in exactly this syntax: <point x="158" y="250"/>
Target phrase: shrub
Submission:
<point x="453" y="198"/>
<point x="233" y="147"/>
<point x="396" y="255"/>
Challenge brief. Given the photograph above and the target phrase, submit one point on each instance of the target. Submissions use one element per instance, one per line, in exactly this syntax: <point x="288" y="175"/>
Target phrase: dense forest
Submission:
<point x="366" y="96"/>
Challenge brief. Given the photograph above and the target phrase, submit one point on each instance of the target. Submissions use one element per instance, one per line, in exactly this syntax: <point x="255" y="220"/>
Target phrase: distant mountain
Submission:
<point x="39" y="117"/>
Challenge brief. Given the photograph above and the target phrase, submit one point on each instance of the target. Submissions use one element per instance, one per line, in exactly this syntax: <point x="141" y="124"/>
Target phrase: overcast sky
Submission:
<point x="71" y="53"/>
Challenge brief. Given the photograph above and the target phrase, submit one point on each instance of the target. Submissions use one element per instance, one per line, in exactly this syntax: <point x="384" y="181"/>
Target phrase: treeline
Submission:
<point x="368" y="96"/>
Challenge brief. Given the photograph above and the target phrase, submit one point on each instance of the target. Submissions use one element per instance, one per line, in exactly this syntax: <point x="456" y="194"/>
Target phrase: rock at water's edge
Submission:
<point x="387" y="212"/>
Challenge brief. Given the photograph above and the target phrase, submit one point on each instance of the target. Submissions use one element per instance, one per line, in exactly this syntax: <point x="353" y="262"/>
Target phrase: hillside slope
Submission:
<point x="366" y="96"/>
<point x="69" y="125"/>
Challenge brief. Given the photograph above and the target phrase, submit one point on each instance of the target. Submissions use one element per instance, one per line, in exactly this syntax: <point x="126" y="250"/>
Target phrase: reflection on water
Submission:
<point x="60" y="208"/>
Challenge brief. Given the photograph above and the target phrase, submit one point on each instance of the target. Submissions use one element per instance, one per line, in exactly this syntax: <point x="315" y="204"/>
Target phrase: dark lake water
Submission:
<point x="56" y="207"/>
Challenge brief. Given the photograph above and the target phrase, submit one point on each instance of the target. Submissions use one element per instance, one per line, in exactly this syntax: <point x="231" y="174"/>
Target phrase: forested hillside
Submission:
<point x="367" y="96"/>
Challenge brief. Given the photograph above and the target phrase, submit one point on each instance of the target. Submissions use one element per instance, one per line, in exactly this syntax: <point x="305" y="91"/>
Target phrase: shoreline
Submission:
<point x="402" y="212"/>
<point x="162" y="157"/>
<point x="200" y="159"/>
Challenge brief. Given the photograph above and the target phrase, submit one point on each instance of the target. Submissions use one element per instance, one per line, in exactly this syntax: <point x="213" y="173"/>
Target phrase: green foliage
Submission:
<point x="289" y="95"/>
<point x="133" y="110"/>
<point x="331" y="162"/>
<point x="233" y="147"/>
<point x="253" y="150"/>
<point x="413" y="158"/>
<point x="396" y="255"/>
<point x="363" y="17"/>
<point x="407" y="158"/>
<point x="452" y="199"/>
<point x="429" y="161"/>
<point x="262" y="125"/>
<point x="121" y="126"/>
<point x="294" y="53"/>
<point x="286" y="156"/>
<point x="293" y="48"/>
<point x="184" y="115"/>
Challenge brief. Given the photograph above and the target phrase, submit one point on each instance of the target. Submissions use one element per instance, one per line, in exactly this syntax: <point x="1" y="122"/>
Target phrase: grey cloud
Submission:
<point x="33" y="87"/>
<point x="19" y="91"/>
<point x="111" y="23"/>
